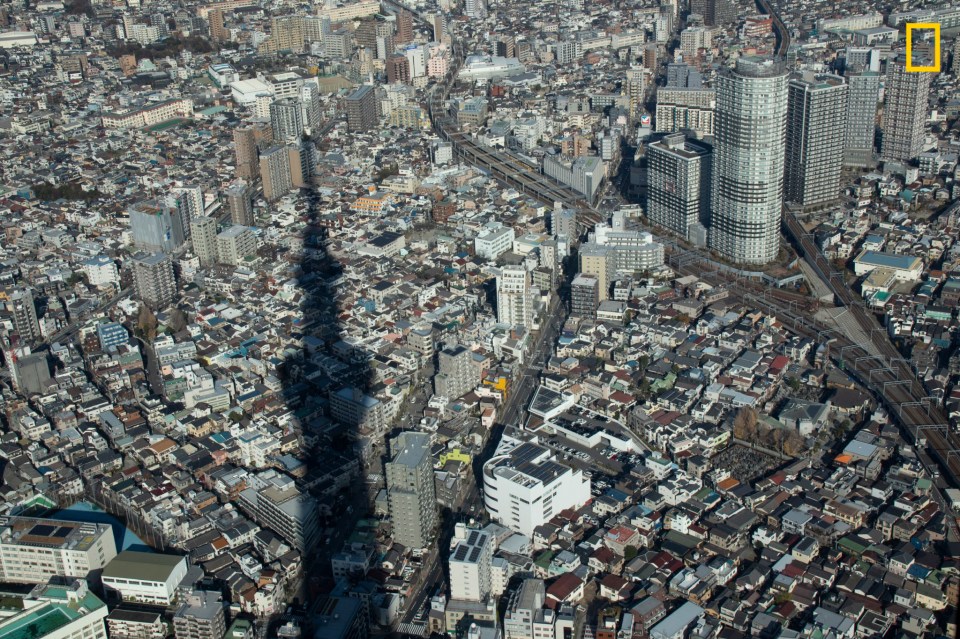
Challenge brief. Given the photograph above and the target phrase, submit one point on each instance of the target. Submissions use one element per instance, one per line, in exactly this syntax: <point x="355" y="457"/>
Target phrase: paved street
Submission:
<point x="518" y="398"/>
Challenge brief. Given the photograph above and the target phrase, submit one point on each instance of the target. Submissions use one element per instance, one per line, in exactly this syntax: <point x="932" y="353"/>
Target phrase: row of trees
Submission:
<point x="70" y="191"/>
<point x="147" y="323"/>
<point x="168" y="47"/>
<point x="747" y="427"/>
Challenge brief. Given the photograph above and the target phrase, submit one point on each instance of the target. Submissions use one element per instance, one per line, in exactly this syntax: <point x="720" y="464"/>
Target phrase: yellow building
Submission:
<point x="374" y="202"/>
<point x="454" y="455"/>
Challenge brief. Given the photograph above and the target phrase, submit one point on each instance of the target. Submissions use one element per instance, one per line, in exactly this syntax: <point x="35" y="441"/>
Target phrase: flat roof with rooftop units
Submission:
<point x="52" y="533"/>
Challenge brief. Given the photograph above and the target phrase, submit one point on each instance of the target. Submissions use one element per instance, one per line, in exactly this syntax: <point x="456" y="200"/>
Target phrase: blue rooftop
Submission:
<point x="887" y="260"/>
<point x="87" y="512"/>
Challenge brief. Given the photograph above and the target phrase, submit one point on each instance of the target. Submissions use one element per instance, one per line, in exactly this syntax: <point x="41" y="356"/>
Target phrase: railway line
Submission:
<point x="779" y="29"/>
<point x="888" y="375"/>
<point x="505" y="167"/>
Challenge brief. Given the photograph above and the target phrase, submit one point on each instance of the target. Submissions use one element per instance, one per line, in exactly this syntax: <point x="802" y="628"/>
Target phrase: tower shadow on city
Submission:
<point x="325" y="379"/>
<point x="340" y="393"/>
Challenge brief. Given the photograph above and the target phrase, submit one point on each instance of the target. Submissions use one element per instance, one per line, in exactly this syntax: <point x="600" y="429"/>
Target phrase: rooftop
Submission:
<point x="147" y="566"/>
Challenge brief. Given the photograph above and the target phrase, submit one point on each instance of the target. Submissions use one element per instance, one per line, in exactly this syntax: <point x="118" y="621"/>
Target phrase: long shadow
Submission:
<point x="327" y="381"/>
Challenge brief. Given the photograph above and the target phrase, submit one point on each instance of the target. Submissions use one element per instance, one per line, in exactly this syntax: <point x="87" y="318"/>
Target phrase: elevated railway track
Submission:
<point x="888" y="375"/>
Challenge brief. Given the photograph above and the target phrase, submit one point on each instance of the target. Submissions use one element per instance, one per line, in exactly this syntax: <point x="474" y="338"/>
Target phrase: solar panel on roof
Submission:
<point x="474" y="554"/>
<point x="42" y="530"/>
<point x="472" y="540"/>
<point x="460" y="554"/>
<point x="62" y="531"/>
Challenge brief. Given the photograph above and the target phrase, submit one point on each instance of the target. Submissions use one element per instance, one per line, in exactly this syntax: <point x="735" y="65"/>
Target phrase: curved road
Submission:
<point x="779" y="29"/>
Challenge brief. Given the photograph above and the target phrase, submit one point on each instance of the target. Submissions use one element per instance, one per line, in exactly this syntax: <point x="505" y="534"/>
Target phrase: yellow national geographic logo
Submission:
<point x="923" y="26"/>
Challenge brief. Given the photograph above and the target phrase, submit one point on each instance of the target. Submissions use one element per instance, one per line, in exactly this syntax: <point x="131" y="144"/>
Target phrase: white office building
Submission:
<point x="634" y="250"/>
<point x="33" y="550"/>
<point x="583" y="174"/>
<point x="145" y="577"/>
<point x="101" y="271"/>
<point x="494" y="240"/>
<point x="486" y="67"/>
<point x="524" y="486"/>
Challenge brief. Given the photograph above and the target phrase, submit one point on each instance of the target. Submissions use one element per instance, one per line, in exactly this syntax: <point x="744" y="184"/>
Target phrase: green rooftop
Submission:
<point x="40" y="622"/>
<point x="239" y="629"/>
<point x="49" y="616"/>
<point x="162" y="126"/>
<point x="544" y="559"/>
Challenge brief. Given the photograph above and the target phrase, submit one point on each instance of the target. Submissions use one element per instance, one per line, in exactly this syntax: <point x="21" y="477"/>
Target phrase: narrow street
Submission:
<point x="518" y="398"/>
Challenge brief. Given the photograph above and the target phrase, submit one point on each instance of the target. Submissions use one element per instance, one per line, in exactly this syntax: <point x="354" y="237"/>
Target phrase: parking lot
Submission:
<point x="594" y="461"/>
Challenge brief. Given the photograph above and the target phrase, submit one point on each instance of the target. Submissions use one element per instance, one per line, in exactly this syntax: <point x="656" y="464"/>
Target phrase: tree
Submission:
<point x="793" y="444"/>
<point x="630" y="553"/>
<point x="774" y="438"/>
<point x="147" y="323"/>
<point x="177" y="321"/>
<point x="762" y="433"/>
<point x="70" y="191"/>
<point x="81" y="7"/>
<point x="745" y="424"/>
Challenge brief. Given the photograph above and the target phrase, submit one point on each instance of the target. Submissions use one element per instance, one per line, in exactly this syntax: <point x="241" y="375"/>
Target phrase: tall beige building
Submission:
<point x="275" y="171"/>
<point x="218" y="31"/>
<point x="234" y="244"/>
<point x="286" y="34"/>
<point x="203" y="232"/>
<point x="240" y="203"/>
<point x="153" y="279"/>
<point x="635" y="89"/>
<point x="245" y="150"/>
<point x="411" y="494"/>
<point x="600" y="262"/>
<point x="301" y="160"/>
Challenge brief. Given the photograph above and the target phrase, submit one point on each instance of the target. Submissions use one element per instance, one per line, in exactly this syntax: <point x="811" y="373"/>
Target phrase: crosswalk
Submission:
<point x="413" y="628"/>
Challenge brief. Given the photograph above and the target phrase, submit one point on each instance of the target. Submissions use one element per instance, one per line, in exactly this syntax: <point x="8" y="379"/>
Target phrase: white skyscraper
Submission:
<point x="904" y="111"/>
<point x="747" y="193"/>
<point x="514" y="304"/>
<point x="678" y="183"/>
<point x="816" y="110"/>
<point x="861" y="123"/>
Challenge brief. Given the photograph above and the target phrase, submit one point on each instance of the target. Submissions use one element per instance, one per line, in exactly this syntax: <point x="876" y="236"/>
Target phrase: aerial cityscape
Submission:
<point x="632" y="319"/>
